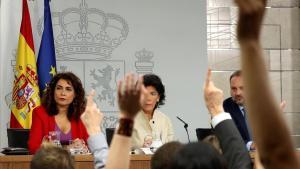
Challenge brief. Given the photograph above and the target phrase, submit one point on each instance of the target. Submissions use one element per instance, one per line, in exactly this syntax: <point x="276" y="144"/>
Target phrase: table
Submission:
<point x="81" y="162"/>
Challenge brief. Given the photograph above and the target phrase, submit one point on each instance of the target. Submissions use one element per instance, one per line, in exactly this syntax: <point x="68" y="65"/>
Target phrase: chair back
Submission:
<point x="203" y="132"/>
<point x="109" y="134"/>
<point x="18" y="137"/>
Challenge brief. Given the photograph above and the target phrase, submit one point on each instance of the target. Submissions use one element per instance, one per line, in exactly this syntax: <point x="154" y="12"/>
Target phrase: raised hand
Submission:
<point x="92" y="116"/>
<point x="213" y="96"/>
<point x="251" y="14"/>
<point x="129" y="94"/>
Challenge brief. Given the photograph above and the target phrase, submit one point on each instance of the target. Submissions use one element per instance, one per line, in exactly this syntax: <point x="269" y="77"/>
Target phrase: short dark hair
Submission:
<point x="198" y="155"/>
<point x="52" y="157"/>
<point x="162" y="157"/>
<point x="77" y="106"/>
<point x="155" y="81"/>
<point x="235" y="74"/>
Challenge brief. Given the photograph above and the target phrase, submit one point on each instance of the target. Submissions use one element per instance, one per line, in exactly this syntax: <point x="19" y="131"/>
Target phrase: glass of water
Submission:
<point x="78" y="146"/>
<point x="54" y="137"/>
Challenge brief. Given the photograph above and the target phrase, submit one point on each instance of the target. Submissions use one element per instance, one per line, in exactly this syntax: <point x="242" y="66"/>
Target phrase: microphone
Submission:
<point x="185" y="127"/>
<point x="185" y="124"/>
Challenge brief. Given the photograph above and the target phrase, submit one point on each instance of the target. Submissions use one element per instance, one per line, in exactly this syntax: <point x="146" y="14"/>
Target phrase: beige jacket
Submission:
<point x="159" y="126"/>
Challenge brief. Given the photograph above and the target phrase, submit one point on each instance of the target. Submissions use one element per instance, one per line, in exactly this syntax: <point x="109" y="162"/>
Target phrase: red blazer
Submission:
<point x="42" y="123"/>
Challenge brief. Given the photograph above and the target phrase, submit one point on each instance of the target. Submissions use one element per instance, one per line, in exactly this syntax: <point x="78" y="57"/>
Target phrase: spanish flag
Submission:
<point x="25" y="95"/>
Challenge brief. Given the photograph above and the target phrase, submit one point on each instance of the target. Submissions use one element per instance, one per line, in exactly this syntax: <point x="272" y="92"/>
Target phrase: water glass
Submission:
<point x="77" y="146"/>
<point x="54" y="137"/>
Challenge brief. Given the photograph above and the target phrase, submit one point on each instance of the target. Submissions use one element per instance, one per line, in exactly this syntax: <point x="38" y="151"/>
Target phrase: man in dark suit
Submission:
<point x="231" y="142"/>
<point x="235" y="106"/>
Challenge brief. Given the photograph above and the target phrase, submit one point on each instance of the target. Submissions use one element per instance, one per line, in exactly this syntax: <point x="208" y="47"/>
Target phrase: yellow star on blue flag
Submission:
<point x="52" y="71"/>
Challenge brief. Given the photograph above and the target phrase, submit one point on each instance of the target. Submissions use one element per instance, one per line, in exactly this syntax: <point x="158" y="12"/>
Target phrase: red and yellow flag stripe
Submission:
<point x="25" y="96"/>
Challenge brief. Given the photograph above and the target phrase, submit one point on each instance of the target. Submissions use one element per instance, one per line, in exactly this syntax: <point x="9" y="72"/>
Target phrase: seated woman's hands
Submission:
<point x="52" y="138"/>
<point x="147" y="141"/>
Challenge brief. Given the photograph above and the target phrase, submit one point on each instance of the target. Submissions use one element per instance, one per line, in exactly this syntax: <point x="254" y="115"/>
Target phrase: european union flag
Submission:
<point x="46" y="62"/>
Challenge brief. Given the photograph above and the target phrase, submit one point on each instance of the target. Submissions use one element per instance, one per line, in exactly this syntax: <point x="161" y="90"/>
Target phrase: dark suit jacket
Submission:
<point x="233" y="109"/>
<point x="233" y="147"/>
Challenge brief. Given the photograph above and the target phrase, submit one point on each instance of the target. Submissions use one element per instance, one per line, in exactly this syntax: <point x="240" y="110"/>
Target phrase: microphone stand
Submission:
<point x="185" y="127"/>
<point x="187" y="132"/>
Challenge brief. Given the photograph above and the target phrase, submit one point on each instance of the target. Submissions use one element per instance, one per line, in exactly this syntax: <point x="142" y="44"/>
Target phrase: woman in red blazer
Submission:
<point x="62" y="104"/>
